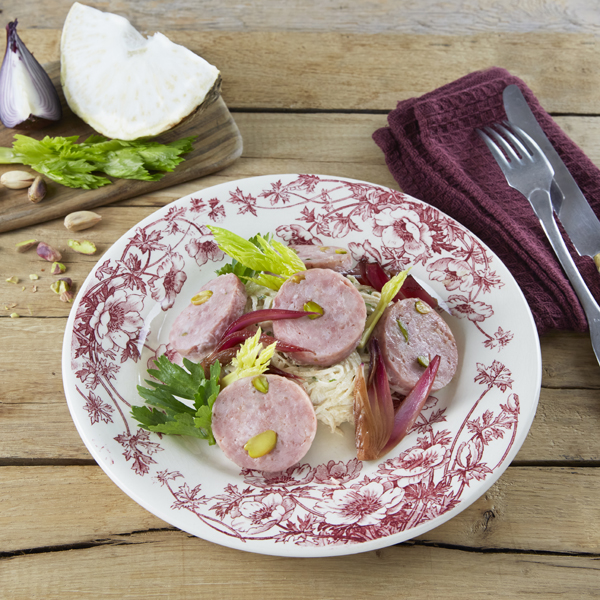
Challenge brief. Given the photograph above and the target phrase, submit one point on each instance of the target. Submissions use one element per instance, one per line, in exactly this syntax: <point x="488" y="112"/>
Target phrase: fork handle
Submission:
<point x="542" y="205"/>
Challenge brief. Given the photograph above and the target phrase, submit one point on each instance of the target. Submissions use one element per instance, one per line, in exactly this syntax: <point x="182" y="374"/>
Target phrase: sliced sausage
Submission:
<point x="324" y="257"/>
<point x="241" y="412"/>
<point x="331" y="337"/>
<point x="198" y="329"/>
<point x="405" y="334"/>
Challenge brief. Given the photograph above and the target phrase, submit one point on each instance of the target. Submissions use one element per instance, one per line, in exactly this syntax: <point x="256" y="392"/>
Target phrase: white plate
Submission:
<point x="331" y="503"/>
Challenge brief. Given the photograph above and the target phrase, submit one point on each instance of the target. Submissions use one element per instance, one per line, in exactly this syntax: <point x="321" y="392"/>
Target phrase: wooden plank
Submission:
<point x="457" y="17"/>
<point x="169" y="564"/>
<point x="527" y="509"/>
<point x="97" y="507"/>
<point x="373" y="72"/>
<point x="568" y="361"/>
<point x="34" y="433"/>
<point x="563" y="428"/>
<point x="44" y="302"/>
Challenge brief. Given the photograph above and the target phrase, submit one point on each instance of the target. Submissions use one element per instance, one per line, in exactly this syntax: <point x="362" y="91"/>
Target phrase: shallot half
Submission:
<point x="28" y="99"/>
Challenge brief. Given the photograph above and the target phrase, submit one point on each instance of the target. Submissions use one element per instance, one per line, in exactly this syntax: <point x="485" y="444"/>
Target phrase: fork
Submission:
<point x="527" y="170"/>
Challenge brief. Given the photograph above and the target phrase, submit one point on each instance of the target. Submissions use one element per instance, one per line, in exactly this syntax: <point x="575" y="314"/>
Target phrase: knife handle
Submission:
<point x="542" y="205"/>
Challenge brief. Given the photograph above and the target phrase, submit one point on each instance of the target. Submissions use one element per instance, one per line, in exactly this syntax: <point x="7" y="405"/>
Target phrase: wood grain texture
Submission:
<point x="516" y="513"/>
<point x="218" y="143"/>
<point x="337" y="71"/>
<point x="171" y="564"/>
<point x="459" y="17"/>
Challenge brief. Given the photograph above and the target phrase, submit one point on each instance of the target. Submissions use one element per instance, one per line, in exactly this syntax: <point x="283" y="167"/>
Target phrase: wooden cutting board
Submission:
<point x="218" y="144"/>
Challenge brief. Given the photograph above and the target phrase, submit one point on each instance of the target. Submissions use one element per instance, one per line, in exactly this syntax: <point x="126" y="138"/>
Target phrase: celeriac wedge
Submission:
<point x="124" y="85"/>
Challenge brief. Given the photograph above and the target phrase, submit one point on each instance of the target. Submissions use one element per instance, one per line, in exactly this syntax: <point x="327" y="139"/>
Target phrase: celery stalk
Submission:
<point x="388" y="291"/>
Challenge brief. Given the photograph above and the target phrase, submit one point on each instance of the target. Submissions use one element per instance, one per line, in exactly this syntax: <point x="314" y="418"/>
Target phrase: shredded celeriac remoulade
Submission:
<point x="259" y="297"/>
<point x="331" y="389"/>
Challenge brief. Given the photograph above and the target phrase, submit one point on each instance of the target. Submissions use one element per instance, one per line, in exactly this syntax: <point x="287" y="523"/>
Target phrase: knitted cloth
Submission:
<point x="433" y="151"/>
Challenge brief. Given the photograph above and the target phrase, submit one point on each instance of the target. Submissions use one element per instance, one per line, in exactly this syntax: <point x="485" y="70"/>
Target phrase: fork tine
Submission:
<point x="510" y="151"/>
<point x="513" y="133"/>
<point x="493" y="148"/>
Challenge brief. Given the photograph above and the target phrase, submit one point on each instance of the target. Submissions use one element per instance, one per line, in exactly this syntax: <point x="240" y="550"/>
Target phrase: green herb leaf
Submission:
<point x="168" y="414"/>
<point x="76" y="165"/>
<point x="251" y="360"/>
<point x="260" y="255"/>
<point x="238" y="268"/>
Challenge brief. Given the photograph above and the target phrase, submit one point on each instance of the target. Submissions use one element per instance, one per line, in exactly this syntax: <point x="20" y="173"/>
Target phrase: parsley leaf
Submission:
<point x="77" y="165"/>
<point x="168" y="414"/>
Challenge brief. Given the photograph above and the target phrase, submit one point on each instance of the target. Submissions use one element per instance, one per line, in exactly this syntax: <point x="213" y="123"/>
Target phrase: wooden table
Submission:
<point x="307" y="82"/>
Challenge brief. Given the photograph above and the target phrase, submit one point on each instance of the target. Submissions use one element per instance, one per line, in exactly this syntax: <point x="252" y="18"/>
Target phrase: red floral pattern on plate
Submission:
<point x="120" y="322"/>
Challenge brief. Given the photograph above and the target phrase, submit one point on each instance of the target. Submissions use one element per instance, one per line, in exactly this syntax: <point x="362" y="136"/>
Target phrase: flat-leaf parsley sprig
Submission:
<point x="171" y="416"/>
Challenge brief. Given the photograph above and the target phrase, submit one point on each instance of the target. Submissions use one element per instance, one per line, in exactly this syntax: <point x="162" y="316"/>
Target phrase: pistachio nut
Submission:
<point x="422" y="307"/>
<point x="48" y="253"/>
<point x="423" y="361"/>
<point x="201" y="297"/>
<point x="84" y="247"/>
<point x="17" y="180"/>
<point x="37" y="190"/>
<point x="57" y="268"/>
<point x="60" y="287"/>
<point x="261" y="383"/>
<point x="26" y="245"/>
<point x="82" y="219"/>
<point x="67" y="296"/>
<point x="313" y="307"/>
<point x="261" y="444"/>
<point x="13" y="279"/>
<point x="298" y="277"/>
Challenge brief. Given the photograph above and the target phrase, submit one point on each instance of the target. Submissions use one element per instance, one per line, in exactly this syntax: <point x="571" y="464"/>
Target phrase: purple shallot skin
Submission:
<point x="16" y="57"/>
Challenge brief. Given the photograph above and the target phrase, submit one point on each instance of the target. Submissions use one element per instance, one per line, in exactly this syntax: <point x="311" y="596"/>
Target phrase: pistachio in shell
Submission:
<point x="37" y="190"/>
<point x="81" y="219"/>
<point x="17" y="180"/>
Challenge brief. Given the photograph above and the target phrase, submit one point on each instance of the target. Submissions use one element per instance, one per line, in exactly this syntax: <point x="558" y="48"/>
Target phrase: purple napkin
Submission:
<point x="434" y="153"/>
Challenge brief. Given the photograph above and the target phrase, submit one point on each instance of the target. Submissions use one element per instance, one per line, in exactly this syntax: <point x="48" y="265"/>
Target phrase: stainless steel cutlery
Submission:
<point x="528" y="170"/>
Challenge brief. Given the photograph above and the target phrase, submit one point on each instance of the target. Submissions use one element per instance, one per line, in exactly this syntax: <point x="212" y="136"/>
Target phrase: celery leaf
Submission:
<point x="388" y="291"/>
<point x="251" y="360"/>
<point x="78" y="165"/>
<point x="279" y="261"/>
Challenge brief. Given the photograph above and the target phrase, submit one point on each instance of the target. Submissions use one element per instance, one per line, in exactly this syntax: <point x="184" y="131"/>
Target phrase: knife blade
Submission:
<point x="569" y="203"/>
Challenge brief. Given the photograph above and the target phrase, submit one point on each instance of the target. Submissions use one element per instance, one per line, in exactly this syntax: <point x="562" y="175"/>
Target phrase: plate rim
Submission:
<point x="274" y="549"/>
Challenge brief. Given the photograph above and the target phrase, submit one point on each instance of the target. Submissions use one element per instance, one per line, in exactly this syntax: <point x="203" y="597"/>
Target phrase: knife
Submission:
<point x="569" y="203"/>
